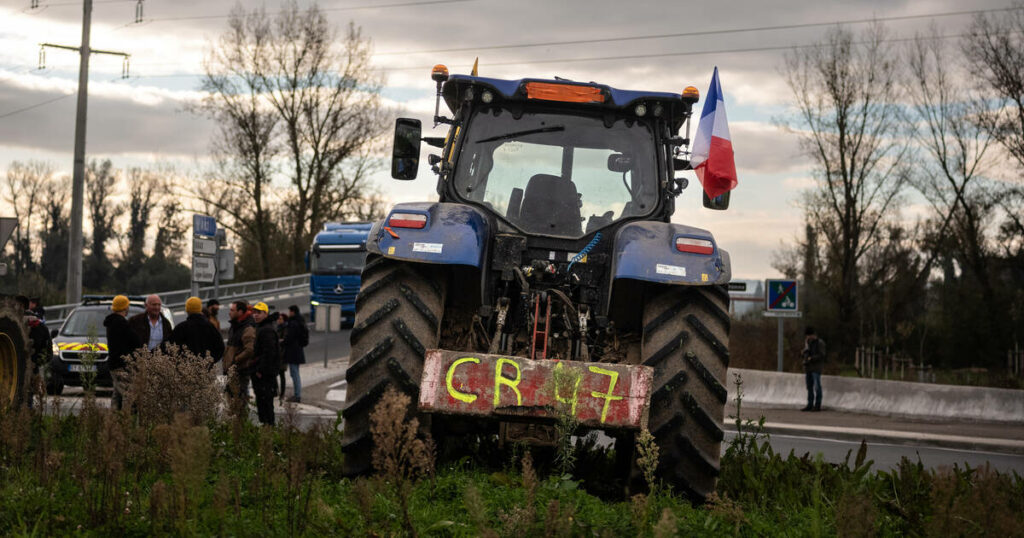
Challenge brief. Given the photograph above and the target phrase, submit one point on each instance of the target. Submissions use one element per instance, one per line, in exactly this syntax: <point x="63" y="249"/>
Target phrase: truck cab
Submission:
<point x="335" y="260"/>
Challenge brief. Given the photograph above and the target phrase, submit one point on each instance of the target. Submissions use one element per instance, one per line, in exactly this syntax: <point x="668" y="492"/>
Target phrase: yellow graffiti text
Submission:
<point x="500" y="380"/>
<point x="608" y="396"/>
<point x="460" y="396"/>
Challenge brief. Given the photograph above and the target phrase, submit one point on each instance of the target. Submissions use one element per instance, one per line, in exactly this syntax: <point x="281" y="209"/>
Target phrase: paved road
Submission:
<point x="887" y="456"/>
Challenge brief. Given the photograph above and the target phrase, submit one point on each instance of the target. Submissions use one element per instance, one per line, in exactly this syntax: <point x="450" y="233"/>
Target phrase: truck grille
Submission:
<point x="328" y="295"/>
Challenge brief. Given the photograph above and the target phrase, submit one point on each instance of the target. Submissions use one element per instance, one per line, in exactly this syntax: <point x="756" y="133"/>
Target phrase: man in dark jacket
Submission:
<point x="40" y="342"/>
<point x="814" y="362"/>
<point x="238" y="352"/>
<point x="197" y="333"/>
<point x="296" y="337"/>
<point x="121" y="342"/>
<point x="263" y="370"/>
<point x="151" y="327"/>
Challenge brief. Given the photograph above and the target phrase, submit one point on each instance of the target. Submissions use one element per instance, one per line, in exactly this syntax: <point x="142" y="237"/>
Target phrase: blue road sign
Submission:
<point x="781" y="296"/>
<point x="204" y="225"/>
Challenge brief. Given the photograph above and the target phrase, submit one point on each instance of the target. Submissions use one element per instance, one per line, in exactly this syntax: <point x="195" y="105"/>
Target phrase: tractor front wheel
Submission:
<point x="686" y="341"/>
<point x="398" y="317"/>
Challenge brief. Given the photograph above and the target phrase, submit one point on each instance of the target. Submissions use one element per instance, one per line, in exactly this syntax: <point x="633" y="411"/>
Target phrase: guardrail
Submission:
<point x="175" y="299"/>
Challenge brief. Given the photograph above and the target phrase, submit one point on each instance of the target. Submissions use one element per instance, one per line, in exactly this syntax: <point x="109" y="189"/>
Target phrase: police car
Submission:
<point x="80" y="345"/>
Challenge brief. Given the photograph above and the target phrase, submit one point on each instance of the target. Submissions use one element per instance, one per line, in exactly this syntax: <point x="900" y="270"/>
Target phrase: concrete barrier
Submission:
<point x="879" y="397"/>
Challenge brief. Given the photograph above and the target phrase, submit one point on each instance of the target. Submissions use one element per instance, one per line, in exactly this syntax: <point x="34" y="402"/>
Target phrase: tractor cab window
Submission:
<point x="557" y="174"/>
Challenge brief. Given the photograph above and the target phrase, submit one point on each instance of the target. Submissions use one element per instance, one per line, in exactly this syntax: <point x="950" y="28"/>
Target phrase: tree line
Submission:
<point x="135" y="245"/>
<point x="887" y="122"/>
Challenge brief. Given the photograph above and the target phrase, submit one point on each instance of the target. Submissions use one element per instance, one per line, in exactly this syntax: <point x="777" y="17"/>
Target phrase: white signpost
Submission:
<point x="204" y="251"/>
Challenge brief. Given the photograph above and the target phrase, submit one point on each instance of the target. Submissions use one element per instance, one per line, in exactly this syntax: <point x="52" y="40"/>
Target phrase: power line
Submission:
<point x="326" y="9"/>
<point x="709" y="32"/>
<point x="687" y="53"/>
<point x="37" y="105"/>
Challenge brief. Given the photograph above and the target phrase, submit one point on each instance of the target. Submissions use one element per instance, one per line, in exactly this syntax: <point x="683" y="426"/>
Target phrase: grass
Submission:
<point x="111" y="473"/>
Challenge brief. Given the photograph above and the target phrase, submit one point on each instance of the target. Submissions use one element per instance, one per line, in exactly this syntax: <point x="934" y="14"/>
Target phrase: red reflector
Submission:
<point x="696" y="246"/>
<point x="407" y="220"/>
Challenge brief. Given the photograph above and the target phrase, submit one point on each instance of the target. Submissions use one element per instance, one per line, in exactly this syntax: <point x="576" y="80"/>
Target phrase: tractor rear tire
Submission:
<point x="14" y="369"/>
<point x="398" y="317"/>
<point x="686" y="341"/>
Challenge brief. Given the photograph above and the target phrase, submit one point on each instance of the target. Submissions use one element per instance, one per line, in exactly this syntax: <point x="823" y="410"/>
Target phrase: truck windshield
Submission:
<point x="558" y="174"/>
<point x="337" y="262"/>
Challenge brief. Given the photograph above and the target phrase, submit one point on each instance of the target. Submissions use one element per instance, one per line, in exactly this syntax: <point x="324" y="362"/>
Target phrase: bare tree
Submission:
<point x="291" y="88"/>
<point x="100" y="180"/>
<point x="994" y="49"/>
<point x="144" y="190"/>
<point x="24" y="191"/>
<point x="951" y="150"/>
<point x="846" y="104"/>
<point x="244" y="146"/>
<point x="53" y="262"/>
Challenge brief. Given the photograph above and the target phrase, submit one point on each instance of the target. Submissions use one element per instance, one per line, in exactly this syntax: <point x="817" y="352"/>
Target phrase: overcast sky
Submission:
<point x="143" y="119"/>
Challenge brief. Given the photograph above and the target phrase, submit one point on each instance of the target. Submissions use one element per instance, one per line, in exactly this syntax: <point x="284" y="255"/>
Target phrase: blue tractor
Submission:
<point x="335" y="260"/>
<point x="550" y="256"/>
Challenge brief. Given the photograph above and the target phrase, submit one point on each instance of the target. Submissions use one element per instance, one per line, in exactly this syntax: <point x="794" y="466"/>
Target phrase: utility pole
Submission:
<point x="74" y="282"/>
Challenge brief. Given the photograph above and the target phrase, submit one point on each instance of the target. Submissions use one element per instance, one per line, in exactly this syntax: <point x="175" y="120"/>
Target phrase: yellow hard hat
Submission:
<point x="261" y="306"/>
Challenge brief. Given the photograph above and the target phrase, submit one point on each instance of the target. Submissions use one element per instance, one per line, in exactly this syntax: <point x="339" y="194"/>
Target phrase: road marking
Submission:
<point x="337" y="392"/>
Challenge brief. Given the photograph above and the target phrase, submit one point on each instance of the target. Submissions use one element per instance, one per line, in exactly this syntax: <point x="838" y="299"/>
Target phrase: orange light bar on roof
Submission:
<point x="548" y="91"/>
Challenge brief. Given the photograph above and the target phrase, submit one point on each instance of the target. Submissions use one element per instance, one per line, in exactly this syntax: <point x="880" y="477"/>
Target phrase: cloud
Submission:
<point x="764" y="148"/>
<point x="121" y="119"/>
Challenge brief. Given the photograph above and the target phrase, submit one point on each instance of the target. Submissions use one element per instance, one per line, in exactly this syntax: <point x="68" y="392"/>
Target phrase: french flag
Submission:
<point x="712" y="157"/>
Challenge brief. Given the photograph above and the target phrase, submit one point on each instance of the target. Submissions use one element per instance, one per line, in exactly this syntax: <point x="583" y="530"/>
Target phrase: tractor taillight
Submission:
<point x="695" y="246"/>
<point x="407" y="220"/>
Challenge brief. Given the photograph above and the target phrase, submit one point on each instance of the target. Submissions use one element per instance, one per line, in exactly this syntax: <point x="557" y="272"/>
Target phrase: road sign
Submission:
<point x="7" y="226"/>
<point x="202" y="246"/>
<point x="226" y="264"/>
<point x="781" y="296"/>
<point x="203" y="269"/>
<point x="737" y="286"/>
<point x="777" y="314"/>
<point x="204" y="225"/>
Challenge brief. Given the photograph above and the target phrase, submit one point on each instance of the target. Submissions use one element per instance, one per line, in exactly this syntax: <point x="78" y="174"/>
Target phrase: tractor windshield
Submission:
<point x="558" y="174"/>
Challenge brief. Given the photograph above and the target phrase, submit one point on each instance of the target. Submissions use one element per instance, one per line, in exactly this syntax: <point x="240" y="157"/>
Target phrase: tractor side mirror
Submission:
<point x="405" y="156"/>
<point x="621" y="163"/>
<point x="718" y="203"/>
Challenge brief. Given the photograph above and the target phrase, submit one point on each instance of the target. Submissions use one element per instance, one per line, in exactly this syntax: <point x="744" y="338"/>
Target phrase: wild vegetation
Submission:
<point x="101" y="472"/>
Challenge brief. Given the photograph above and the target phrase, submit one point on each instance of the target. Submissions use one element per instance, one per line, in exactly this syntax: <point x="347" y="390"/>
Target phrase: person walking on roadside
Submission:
<point x="296" y="337"/>
<point x="211" y="311"/>
<point x="151" y="326"/>
<point x="197" y="334"/>
<point x="121" y="342"/>
<point x="814" y="362"/>
<point x="239" y="350"/>
<point x="263" y="370"/>
<point x="41" y="345"/>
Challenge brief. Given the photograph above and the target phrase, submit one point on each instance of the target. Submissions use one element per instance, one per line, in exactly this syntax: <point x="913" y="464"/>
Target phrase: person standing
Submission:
<point x="212" y="309"/>
<point x="121" y="342"/>
<point x="280" y="325"/>
<point x="263" y="370"/>
<point x="239" y="349"/>
<point x="151" y="326"/>
<point x="296" y="337"/>
<point x="197" y="334"/>
<point x="814" y="362"/>
<point x="40" y="342"/>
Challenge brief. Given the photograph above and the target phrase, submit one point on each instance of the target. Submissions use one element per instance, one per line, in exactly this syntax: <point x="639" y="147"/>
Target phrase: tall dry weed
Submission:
<point x="398" y="451"/>
<point x="163" y="383"/>
<point x="187" y="451"/>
